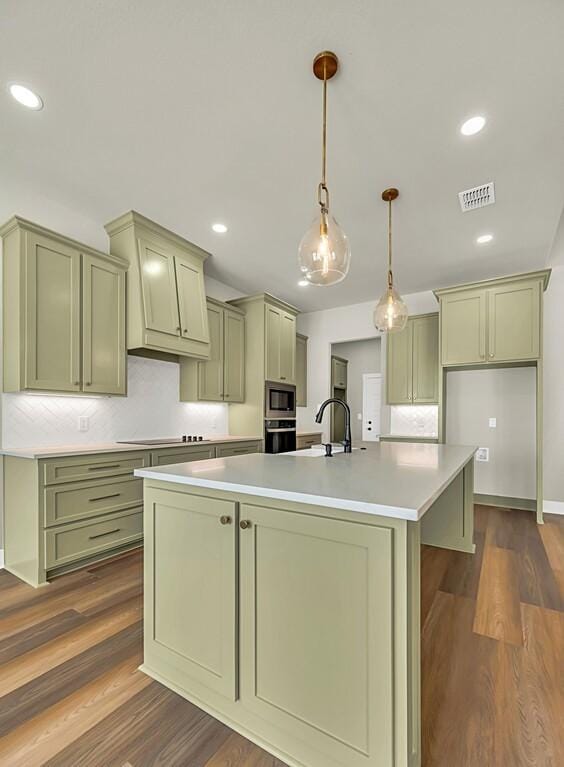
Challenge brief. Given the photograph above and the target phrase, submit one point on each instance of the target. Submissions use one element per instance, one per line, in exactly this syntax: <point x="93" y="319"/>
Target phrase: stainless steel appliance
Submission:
<point x="279" y="435"/>
<point x="279" y="400"/>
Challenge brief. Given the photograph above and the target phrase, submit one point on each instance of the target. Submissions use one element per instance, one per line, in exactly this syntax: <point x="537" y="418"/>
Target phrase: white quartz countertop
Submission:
<point x="59" y="451"/>
<point x="391" y="479"/>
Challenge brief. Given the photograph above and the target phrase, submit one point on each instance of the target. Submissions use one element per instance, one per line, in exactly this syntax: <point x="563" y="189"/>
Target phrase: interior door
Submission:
<point x="190" y="591"/>
<point x="191" y="301"/>
<point x="158" y="280"/>
<point x="426" y="359"/>
<point x="234" y="357"/>
<point x="315" y="593"/>
<point x="371" y="405"/>
<point x="52" y="323"/>
<point x="210" y="373"/>
<point x="273" y="319"/>
<point x="287" y="348"/>
<point x="514" y="322"/>
<point x="103" y="327"/>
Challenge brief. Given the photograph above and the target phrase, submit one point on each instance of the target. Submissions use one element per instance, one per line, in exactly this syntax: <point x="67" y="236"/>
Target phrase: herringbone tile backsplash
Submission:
<point x="151" y="409"/>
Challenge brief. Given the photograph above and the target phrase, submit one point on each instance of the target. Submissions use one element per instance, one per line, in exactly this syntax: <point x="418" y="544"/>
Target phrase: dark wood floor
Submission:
<point x="492" y="646"/>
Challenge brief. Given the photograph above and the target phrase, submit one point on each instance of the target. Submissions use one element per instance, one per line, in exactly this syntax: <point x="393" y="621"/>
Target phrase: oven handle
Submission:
<point x="275" y="431"/>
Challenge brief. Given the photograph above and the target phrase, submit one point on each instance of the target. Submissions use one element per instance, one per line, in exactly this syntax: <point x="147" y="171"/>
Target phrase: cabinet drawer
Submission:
<point x="182" y="456"/>
<point x="224" y="451"/>
<point x="92" y="467"/>
<point x="74" y="501"/>
<point x="67" y="544"/>
<point x="309" y="441"/>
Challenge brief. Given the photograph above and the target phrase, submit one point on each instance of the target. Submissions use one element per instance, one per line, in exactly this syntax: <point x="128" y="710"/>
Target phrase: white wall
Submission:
<point x="345" y="323"/>
<point x="553" y="454"/>
<point x="509" y="395"/>
<point x="363" y="357"/>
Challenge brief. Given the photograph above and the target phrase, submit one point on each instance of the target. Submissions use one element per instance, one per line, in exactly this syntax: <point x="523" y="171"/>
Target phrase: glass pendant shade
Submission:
<point x="390" y="314"/>
<point x="324" y="254"/>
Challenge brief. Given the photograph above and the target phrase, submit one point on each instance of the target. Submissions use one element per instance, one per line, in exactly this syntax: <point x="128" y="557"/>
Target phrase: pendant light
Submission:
<point x="324" y="253"/>
<point x="390" y="314"/>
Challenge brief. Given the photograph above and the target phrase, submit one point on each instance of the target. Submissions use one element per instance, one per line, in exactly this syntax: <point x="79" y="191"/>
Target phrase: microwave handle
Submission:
<point x="275" y="431"/>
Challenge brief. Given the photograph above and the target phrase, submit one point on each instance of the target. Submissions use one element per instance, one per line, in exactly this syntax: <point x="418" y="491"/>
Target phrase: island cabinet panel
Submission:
<point x="514" y="321"/>
<point x="52" y="340"/>
<point x="191" y="589"/>
<point x="463" y="327"/>
<point x="315" y="664"/>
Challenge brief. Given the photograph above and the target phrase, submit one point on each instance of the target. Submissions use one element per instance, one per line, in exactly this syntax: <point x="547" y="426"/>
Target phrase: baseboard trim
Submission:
<point x="553" y="507"/>
<point x="506" y="502"/>
<point x="1" y="559"/>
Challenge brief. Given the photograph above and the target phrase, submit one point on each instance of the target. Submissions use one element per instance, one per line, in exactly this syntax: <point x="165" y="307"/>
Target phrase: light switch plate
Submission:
<point x="483" y="454"/>
<point x="493" y="423"/>
<point x="83" y="423"/>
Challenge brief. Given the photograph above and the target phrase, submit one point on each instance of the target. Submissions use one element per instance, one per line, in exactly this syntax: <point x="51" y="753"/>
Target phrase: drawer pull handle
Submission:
<point x="104" y="497"/>
<point x="105" y="466"/>
<point x="101" y="535"/>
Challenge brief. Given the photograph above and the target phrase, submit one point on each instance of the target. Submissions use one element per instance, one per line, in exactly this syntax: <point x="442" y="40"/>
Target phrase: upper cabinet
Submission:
<point x="339" y="368"/>
<point x="280" y="344"/>
<point x="498" y="321"/>
<point x="301" y="370"/>
<point x="412" y="370"/>
<point x="63" y="314"/>
<point x="166" y="295"/>
<point x="222" y="377"/>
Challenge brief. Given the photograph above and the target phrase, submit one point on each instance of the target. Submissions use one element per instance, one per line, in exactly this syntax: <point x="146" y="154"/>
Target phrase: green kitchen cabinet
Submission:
<point x="339" y="368"/>
<point x="222" y="377"/>
<point x="104" y="354"/>
<point x="412" y="370"/>
<point x="190" y="598"/>
<point x="280" y="344"/>
<point x="497" y="321"/>
<point x="301" y="370"/>
<point x="166" y="295"/>
<point x="63" y="314"/>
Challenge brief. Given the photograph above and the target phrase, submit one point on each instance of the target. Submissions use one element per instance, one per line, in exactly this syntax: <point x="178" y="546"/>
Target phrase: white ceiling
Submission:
<point x="194" y="112"/>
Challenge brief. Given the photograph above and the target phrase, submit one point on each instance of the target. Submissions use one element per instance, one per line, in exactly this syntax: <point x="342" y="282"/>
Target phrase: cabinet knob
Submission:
<point x="77" y="383"/>
<point x="226" y="395"/>
<point x="88" y="383"/>
<point x="178" y="329"/>
<point x="491" y="354"/>
<point x="225" y="520"/>
<point x="244" y="524"/>
<point x="185" y="330"/>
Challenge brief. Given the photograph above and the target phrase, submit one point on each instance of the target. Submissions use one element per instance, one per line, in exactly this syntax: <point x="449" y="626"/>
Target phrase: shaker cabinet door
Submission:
<point x="312" y="653"/>
<point x="514" y="322"/>
<point x="425" y="339"/>
<point x="191" y="300"/>
<point x="273" y="320"/>
<point x="210" y="373"/>
<point x="399" y="377"/>
<point x="463" y="328"/>
<point x="190" y="598"/>
<point x="234" y="357"/>
<point x="287" y="348"/>
<point x="103" y="327"/>
<point x="158" y="280"/>
<point x="52" y="322"/>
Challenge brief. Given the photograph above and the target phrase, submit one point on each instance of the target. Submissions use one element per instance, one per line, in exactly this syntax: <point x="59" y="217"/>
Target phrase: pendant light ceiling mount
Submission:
<point x="391" y="194"/>
<point x="324" y="253"/>
<point x="325" y="65"/>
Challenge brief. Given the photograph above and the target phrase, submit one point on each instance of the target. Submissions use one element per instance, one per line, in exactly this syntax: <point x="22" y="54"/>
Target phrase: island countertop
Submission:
<point x="390" y="479"/>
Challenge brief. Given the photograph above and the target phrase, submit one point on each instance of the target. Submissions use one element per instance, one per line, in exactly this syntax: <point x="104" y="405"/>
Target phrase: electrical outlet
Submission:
<point x="83" y="423"/>
<point x="359" y="416"/>
<point x="483" y="454"/>
<point x="493" y="423"/>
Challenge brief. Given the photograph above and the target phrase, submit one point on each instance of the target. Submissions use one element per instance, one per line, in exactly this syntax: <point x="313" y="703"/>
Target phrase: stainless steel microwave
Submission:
<point x="279" y="400"/>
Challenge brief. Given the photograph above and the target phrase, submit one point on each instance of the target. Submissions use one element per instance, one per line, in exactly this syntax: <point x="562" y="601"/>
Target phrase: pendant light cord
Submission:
<point x="390" y="276"/>
<point x="323" y="192"/>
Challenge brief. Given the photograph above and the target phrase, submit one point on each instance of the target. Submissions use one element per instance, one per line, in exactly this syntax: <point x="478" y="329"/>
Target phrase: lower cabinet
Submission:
<point x="274" y="620"/>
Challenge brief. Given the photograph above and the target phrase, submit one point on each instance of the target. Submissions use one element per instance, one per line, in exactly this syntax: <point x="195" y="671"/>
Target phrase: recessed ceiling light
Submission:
<point x="26" y="97"/>
<point x="219" y="228"/>
<point x="303" y="283"/>
<point x="483" y="238"/>
<point x="472" y="125"/>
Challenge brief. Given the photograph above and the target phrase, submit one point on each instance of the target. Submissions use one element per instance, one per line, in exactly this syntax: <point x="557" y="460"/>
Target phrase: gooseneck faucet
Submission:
<point x="347" y="442"/>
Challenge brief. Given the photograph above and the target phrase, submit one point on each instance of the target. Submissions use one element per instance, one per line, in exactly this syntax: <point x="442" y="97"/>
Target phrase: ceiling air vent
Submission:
<point x="479" y="197"/>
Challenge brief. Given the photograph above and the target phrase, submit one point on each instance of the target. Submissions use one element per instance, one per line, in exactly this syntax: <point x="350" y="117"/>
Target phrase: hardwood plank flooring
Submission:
<point x="492" y="647"/>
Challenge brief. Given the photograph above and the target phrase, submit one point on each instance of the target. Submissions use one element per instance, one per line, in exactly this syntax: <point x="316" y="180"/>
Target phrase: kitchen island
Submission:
<point x="282" y="593"/>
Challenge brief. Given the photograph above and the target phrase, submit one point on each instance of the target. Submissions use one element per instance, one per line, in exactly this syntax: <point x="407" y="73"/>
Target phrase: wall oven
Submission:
<point x="279" y="435"/>
<point x="279" y="400"/>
